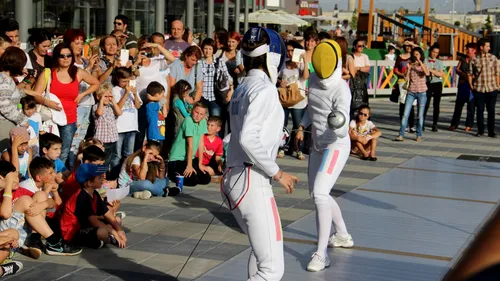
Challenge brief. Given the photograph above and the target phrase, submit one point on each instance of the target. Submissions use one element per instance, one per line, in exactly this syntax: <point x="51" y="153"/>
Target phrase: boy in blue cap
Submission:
<point x="85" y="219"/>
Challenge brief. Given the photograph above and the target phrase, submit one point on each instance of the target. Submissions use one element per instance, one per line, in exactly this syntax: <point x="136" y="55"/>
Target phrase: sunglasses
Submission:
<point x="360" y="46"/>
<point x="65" y="56"/>
<point x="117" y="23"/>
<point x="363" y="114"/>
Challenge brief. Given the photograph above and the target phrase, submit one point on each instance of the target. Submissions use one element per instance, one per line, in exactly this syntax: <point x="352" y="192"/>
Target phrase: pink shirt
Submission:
<point x="418" y="80"/>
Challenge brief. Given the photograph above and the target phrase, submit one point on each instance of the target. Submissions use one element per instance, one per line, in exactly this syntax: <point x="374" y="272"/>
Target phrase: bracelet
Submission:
<point x="7" y="195"/>
<point x="281" y="175"/>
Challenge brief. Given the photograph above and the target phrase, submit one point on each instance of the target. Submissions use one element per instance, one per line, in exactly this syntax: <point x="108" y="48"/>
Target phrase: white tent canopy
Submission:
<point x="296" y="19"/>
<point x="267" y="17"/>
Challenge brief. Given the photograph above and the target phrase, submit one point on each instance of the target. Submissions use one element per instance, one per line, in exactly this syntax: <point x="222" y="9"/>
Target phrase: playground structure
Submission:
<point x="378" y="27"/>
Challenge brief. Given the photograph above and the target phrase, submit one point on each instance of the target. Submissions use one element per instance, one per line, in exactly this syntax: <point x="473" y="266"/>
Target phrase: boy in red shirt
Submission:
<point x="213" y="148"/>
<point x="86" y="219"/>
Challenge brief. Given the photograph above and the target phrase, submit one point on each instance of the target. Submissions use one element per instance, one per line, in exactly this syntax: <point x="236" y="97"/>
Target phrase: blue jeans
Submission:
<point x="213" y="108"/>
<point x="155" y="188"/>
<point x="421" y="101"/>
<point x="297" y="114"/>
<point x="124" y="147"/>
<point x="66" y="132"/>
<point x="82" y="125"/>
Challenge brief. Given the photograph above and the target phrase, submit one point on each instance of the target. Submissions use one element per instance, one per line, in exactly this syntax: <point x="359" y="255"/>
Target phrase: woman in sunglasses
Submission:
<point x="65" y="80"/>
<point x="359" y="83"/>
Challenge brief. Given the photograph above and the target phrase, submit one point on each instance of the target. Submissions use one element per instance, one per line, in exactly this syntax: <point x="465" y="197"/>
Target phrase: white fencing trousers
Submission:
<point x="257" y="215"/>
<point x="324" y="169"/>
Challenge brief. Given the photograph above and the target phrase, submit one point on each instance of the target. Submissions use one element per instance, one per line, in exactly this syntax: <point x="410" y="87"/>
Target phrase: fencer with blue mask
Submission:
<point x="256" y="134"/>
<point x="328" y="108"/>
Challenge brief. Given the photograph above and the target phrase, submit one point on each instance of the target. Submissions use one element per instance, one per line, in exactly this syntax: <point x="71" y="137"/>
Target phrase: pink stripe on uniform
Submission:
<point x="333" y="161"/>
<point x="277" y="221"/>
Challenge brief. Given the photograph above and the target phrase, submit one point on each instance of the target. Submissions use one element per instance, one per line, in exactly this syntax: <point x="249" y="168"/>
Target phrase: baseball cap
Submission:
<point x="87" y="171"/>
<point x="19" y="131"/>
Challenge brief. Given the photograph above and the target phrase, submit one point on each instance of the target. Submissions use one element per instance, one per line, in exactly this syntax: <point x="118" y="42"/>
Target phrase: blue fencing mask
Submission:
<point x="275" y="50"/>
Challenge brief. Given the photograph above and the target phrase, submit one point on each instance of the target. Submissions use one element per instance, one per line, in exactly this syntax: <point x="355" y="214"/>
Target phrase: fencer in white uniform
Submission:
<point x="256" y="134"/>
<point x="329" y="103"/>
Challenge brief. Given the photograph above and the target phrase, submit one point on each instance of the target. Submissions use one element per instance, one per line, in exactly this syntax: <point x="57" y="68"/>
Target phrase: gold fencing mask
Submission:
<point x="325" y="58"/>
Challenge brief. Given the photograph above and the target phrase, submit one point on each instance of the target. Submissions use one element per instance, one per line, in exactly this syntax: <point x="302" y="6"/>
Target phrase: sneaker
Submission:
<point x="144" y="195"/>
<point x="281" y="154"/>
<point x="215" y="179"/>
<point x="62" y="249"/>
<point x="300" y="155"/>
<point x="33" y="249"/>
<point x="336" y="241"/>
<point x="113" y="241"/>
<point x="467" y="129"/>
<point x="11" y="268"/>
<point x="120" y="214"/>
<point x="434" y="128"/>
<point x="318" y="263"/>
<point x="453" y="128"/>
<point x="174" y="191"/>
<point x="413" y="129"/>
<point x="399" y="138"/>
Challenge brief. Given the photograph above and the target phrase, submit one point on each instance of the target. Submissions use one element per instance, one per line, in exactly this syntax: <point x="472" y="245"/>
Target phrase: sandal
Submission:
<point x="281" y="154"/>
<point x="300" y="155"/>
<point x="372" y="158"/>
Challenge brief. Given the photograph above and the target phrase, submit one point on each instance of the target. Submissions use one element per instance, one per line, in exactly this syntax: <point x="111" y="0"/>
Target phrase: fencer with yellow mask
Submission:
<point x="328" y="108"/>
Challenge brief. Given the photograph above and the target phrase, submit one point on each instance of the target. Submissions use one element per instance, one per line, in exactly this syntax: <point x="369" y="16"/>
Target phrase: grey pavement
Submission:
<point x="162" y="232"/>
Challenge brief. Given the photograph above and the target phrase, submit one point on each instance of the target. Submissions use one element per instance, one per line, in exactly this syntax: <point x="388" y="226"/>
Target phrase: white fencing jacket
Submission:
<point x="256" y="123"/>
<point x="326" y="95"/>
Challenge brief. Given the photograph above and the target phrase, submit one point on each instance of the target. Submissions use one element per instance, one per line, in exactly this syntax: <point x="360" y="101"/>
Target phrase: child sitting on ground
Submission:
<point x="28" y="104"/>
<point x="42" y="180"/>
<point x="155" y="113"/>
<point x="105" y="114"/>
<point x="18" y="211"/>
<point x="143" y="173"/>
<point x="21" y="159"/>
<point x="182" y="103"/>
<point x="50" y="146"/>
<point x="213" y="148"/>
<point x="92" y="154"/>
<point x="364" y="135"/>
<point x="189" y="139"/>
<point x="85" y="219"/>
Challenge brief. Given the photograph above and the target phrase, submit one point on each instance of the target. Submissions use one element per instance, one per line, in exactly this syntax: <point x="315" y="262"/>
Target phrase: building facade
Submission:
<point x="96" y="17"/>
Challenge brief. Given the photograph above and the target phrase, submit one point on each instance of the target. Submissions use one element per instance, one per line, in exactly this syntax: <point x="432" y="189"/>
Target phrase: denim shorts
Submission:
<point x="18" y="222"/>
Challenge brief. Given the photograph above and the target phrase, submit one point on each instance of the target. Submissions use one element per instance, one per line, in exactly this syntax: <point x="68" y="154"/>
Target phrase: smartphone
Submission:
<point x="131" y="83"/>
<point x="31" y="73"/>
<point x="124" y="56"/>
<point x="96" y="51"/>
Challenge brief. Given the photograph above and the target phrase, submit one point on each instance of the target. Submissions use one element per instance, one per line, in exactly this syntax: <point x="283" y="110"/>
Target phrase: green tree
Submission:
<point x="457" y="23"/>
<point x="470" y="26"/>
<point x="419" y="11"/>
<point x="487" y="24"/>
<point x="354" y="20"/>
<point x="432" y="11"/>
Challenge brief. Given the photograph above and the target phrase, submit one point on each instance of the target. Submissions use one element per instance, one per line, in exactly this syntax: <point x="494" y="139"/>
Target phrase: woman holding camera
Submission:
<point x="151" y="64"/>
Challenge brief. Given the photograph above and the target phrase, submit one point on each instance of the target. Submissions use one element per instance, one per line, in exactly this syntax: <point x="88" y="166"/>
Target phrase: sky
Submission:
<point x="441" y="6"/>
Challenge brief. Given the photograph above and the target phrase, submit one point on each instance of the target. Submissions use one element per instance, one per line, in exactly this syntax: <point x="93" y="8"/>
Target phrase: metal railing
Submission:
<point x="382" y="78"/>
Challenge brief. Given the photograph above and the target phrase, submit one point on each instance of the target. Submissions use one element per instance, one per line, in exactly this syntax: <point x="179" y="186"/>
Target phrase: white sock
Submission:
<point x="338" y="221"/>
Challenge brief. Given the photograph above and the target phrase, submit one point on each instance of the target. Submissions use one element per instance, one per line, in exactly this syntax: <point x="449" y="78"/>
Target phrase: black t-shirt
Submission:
<point x="77" y="210"/>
